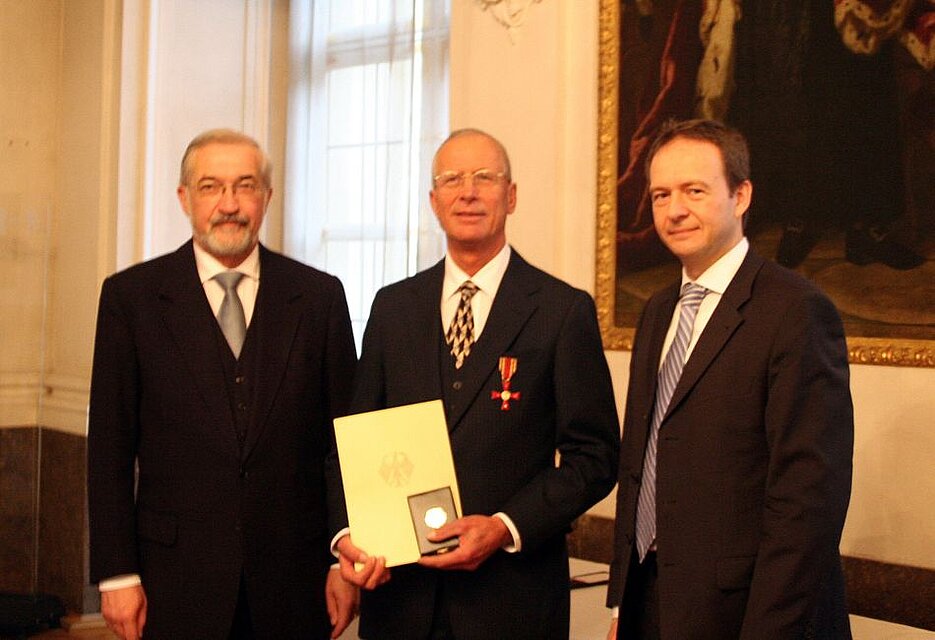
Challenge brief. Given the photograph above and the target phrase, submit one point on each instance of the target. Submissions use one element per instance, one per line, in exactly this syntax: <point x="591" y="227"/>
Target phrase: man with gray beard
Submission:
<point x="218" y="369"/>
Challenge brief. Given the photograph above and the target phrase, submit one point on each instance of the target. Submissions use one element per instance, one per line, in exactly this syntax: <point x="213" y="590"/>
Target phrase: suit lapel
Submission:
<point x="278" y="313"/>
<point x="722" y="325"/>
<point x="425" y="292"/>
<point x="514" y="303"/>
<point x="188" y="318"/>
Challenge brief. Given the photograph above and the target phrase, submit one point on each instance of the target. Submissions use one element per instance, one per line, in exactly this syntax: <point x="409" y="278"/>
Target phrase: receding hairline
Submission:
<point x="472" y="132"/>
<point x="224" y="136"/>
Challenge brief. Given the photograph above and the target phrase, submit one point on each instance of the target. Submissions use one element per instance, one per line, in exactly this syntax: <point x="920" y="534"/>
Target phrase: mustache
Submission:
<point x="221" y="218"/>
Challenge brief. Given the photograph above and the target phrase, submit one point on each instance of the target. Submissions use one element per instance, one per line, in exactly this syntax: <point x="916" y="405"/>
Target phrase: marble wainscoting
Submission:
<point x="876" y="590"/>
<point x="43" y="516"/>
<point x="19" y="482"/>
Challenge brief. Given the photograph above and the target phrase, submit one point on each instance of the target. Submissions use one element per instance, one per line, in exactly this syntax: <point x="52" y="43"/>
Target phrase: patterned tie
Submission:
<point x="460" y="334"/>
<point x="231" y="316"/>
<point x="669" y="374"/>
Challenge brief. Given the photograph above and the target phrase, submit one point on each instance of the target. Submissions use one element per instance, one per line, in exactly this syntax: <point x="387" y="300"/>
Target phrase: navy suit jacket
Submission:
<point x="504" y="460"/>
<point x="204" y="512"/>
<point x="753" y="466"/>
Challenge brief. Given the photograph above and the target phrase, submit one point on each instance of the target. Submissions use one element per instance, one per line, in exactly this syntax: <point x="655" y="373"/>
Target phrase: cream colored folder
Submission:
<point x="387" y="456"/>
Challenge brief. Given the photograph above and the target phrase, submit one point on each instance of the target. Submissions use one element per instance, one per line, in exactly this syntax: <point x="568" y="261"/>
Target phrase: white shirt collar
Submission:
<point x="487" y="279"/>
<point x="208" y="265"/>
<point x="718" y="276"/>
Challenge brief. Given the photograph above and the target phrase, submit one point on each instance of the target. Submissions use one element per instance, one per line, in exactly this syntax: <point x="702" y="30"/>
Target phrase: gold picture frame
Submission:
<point x="892" y="351"/>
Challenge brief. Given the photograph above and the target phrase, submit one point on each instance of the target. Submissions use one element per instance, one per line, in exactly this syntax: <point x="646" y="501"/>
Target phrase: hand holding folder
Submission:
<point x="399" y="480"/>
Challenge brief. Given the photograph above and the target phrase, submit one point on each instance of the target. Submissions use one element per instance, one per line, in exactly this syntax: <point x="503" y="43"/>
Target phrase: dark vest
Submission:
<point x="240" y="379"/>
<point x="452" y="380"/>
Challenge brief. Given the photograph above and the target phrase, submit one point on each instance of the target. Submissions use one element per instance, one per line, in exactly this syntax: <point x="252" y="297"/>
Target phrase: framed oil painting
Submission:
<point x="835" y="99"/>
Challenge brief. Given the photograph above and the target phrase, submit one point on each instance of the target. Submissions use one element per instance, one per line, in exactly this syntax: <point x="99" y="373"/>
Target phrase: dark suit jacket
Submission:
<point x="204" y="514"/>
<point x="754" y="464"/>
<point x="505" y="460"/>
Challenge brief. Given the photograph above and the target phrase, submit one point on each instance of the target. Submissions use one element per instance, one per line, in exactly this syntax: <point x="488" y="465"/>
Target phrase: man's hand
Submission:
<point x="342" y="599"/>
<point x="125" y="611"/>
<point x="612" y="633"/>
<point x="371" y="575"/>
<point x="479" y="537"/>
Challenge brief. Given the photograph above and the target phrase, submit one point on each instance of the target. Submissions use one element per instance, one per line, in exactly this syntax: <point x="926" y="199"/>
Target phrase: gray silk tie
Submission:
<point x="231" y="316"/>
<point x="460" y="336"/>
<point x="669" y="374"/>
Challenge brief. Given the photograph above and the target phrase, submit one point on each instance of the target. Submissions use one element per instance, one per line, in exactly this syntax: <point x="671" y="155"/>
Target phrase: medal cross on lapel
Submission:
<point x="507" y="369"/>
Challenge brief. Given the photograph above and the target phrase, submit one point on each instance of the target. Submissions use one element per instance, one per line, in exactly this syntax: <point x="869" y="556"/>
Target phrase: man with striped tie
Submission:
<point x="516" y="356"/>
<point x="735" y="467"/>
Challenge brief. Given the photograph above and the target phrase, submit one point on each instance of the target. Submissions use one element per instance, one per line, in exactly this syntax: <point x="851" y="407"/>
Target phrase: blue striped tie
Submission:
<point x="669" y="374"/>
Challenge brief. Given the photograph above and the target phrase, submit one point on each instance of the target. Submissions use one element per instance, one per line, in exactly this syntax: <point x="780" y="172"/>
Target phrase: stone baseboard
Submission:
<point x="880" y="590"/>
<point x="43" y="535"/>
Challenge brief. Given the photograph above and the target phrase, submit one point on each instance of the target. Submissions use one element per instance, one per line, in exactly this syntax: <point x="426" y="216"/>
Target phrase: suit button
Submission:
<point x="239" y="379"/>
<point x="242" y="406"/>
<point x="457" y="385"/>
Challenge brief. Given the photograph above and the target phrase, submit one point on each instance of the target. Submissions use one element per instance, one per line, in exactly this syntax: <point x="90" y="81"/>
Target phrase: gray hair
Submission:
<point x="223" y="136"/>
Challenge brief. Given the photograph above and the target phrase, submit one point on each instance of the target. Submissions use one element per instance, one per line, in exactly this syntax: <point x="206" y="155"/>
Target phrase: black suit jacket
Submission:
<point x="753" y="466"/>
<point x="505" y="460"/>
<point x="204" y="512"/>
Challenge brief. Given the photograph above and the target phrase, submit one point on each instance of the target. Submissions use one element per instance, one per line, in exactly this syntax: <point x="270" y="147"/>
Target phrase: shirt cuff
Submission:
<point x="120" y="582"/>
<point x="615" y="612"/>
<point x="346" y="531"/>
<point x="517" y="545"/>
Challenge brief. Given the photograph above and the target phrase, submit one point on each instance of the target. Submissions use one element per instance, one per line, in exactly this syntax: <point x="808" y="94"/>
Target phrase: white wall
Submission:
<point x="892" y="516"/>
<point x="57" y="113"/>
<point x="539" y="96"/>
<point x="81" y="225"/>
<point x="29" y="77"/>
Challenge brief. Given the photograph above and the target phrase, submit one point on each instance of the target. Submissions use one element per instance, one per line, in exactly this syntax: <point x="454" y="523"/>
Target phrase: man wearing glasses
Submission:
<point x="217" y="372"/>
<point x="516" y="356"/>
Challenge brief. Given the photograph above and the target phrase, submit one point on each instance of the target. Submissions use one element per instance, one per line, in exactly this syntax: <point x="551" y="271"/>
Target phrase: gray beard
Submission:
<point x="226" y="249"/>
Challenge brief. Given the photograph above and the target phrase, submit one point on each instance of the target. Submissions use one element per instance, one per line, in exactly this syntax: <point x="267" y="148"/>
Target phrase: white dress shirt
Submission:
<point x="715" y="279"/>
<point x="487" y="279"/>
<point x="208" y="267"/>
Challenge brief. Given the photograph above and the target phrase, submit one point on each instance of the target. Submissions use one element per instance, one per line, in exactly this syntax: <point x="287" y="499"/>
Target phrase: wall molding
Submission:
<point x="57" y="401"/>
<point x="510" y="14"/>
<point x="258" y="35"/>
<point x="64" y="404"/>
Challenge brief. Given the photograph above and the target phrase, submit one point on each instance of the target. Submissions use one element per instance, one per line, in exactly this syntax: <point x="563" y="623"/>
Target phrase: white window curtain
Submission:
<point x="368" y="106"/>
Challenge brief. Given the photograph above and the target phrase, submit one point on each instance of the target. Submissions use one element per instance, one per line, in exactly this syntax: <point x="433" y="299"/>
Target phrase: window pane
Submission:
<point x="362" y="188"/>
<point x="354" y="14"/>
